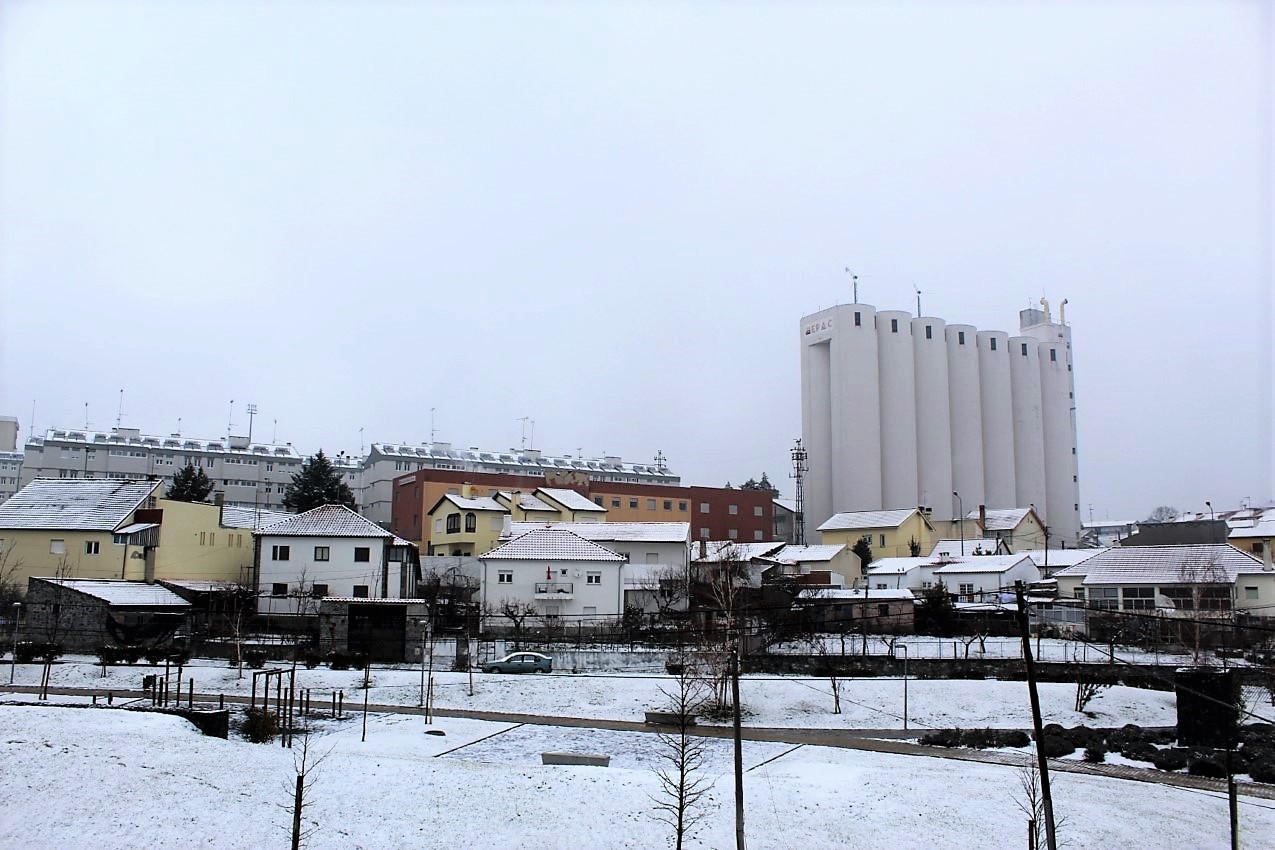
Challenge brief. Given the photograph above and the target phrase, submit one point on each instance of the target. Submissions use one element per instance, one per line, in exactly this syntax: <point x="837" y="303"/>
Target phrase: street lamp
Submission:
<point x="904" y="649"/>
<point x="960" y="513"/>
<point x="17" y="623"/>
<point x="1209" y="505"/>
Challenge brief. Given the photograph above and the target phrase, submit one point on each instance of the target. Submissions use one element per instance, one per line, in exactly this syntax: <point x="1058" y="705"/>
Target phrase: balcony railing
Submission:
<point x="552" y="589"/>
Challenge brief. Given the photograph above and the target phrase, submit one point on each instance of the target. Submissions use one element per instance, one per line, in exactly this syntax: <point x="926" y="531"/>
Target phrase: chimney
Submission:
<point x="467" y="491"/>
<point x="506" y="526"/>
<point x="1267" y="566"/>
<point x="982" y="516"/>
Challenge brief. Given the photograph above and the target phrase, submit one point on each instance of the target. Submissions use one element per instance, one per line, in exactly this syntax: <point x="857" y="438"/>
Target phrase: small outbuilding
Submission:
<point x="82" y="614"/>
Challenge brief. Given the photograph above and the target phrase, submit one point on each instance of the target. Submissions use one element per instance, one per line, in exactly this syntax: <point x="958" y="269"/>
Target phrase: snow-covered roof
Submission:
<point x="732" y="550"/>
<point x="627" y="532"/>
<point x="1206" y="563"/>
<point x="1062" y="558"/>
<point x="235" y="517"/>
<point x="120" y="592"/>
<point x="878" y="595"/>
<point x="793" y="554"/>
<point x="855" y="520"/>
<point x="899" y="566"/>
<point x="551" y="544"/>
<point x="1001" y="520"/>
<point x="570" y="499"/>
<point x="790" y="505"/>
<point x="171" y="442"/>
<point x="326" y="521"/>
<point x="1109" y="523"/>
<point x="80" y="504"/>
<point x="983" y="564"/>
<point x="1261" y="529"/>
<point x="200" y="586"/>
<point x="969" y="546"/>
<point x="529" y="502"/>
<point x="483" y="503"/>
<point x="523" y="461"/>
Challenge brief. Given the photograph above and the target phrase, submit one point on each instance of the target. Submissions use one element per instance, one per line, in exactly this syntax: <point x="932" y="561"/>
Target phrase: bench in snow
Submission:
<point x="667" y="718"/>
<point x="587" y="759"/>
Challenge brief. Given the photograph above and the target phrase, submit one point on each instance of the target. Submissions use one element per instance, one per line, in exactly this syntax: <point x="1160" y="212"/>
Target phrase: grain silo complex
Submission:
<point x="899" y="412"/>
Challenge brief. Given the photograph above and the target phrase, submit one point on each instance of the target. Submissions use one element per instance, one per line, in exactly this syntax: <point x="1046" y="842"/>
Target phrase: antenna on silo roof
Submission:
<point x="918" y="300"/>
<point x="854" y="283"/>
<point x="119" y="415"/>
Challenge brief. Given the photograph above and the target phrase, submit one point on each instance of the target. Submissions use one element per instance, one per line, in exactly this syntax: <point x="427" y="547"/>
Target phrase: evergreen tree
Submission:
<point x="763" y="485"/>
<point x="318" y="483"/>
<point x="864" y="550"/>
<point x="190" y="484"/>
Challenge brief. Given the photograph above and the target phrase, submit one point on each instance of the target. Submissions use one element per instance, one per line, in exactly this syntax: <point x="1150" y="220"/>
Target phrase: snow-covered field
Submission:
<point x="116" y="779"/>
<point x="779" y="701"/>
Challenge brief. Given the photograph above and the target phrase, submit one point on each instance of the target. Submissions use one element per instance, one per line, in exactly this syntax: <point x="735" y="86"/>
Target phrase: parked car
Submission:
<point x="520" y="662"/>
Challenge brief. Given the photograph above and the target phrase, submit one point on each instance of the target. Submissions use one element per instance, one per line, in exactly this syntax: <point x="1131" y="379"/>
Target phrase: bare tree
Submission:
<point x="683" y="782"/>
<point x="1086" y="689"/>
<point x="1210" y="590"/>
<point x="1032" y="804"/>
<point x="305" y="767"/>
<point x="1163" y="513"/>
<point x="829" y="669"/>
<point x="517" y="613"/>
<point x="10" y="566"/>
<point x="724" y="581"/>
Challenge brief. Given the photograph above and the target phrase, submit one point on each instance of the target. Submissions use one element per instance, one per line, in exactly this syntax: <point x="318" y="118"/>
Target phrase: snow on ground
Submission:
<point x="116" y="779"/>
<point x="779" y="701"/>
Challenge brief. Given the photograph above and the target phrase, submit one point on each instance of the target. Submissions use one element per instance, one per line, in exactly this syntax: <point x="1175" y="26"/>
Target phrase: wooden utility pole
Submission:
<point x="1041" y="761"/>
<point x="297" y="802"/>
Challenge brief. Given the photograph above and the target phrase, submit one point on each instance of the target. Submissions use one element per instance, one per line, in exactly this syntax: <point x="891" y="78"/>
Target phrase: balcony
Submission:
<point x="554" y="590"/>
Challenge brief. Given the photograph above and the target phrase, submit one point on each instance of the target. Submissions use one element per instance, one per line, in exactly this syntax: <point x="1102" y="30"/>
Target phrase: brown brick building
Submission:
<point x="715" y="513"/>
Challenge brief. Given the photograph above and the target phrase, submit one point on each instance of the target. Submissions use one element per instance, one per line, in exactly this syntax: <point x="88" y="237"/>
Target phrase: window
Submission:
<point x="1139" y="598"/>
<point x="668" y="504"/>
<point x="597" y="500"/>
<point x="858" y="318"/>
<point x="965" y="589"/>
<point x="360" y="591"/>
<point x="615" y="501"/>
<point x="321" y="553"/>
<point x="894" y="326"/>
<point x="593" y="578"/>
<point x="438" y="526"/>
<point x="203" y="538"/>
<point x="703" y="534"/>
<point x="453" y="523"/>
<point x="1250" y="592"/>
<point x="1106" y="598"/>
<point x="733" y="534"/>
<point x="1053" y="355"/>
<point x="633" y="504"/>
<point x="732" y="509"/>
<point x="279" y="589"/>
<point x="57" y="547"/>
<point x="883" y="540"/>
<point x="471" y="522"/>
<point x="319" y="590"/>
<point x="280" y="553"/>
<point x="681" y="506"/>
<point x="362" y="554"/>
<point x="91" y="547"/>
<point x="757" y="511"/>
<point x="929" y="331"/>
<point x="883" y="610"/>
<point x="703" y="507"/>
<point x="992" y="343"/>
<point x="960" y="337"/>
<point x="758" y="535"/>
<point x="650" y="504"/>
<point x="505" y="577"/>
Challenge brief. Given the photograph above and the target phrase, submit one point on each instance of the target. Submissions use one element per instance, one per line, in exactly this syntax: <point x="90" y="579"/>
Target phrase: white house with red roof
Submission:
<point x="558" y="572"/>
<point x="327" y="551"/>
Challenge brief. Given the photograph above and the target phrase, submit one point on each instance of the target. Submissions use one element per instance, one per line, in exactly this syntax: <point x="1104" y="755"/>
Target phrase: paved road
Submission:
<point x="890" y="741"/>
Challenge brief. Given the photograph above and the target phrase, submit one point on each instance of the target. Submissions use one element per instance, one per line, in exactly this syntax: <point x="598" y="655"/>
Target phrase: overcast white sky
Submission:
<point x="611" y="217"/>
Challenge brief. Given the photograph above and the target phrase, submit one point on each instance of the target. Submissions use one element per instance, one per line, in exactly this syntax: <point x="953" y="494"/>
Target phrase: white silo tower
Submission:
<point x="1029" y="435"/>
<point x="1058" y="414"/>
<point x="998" y="420"/>
<point x="933" y="417"/>
<point x="898" y="410"/>
<point x="967" y="415"/>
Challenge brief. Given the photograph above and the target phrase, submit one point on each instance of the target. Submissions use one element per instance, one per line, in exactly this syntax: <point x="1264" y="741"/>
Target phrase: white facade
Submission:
<point x="557" y="572"/>
<point x="899" y="412"/>
<point x="298" y="570"/>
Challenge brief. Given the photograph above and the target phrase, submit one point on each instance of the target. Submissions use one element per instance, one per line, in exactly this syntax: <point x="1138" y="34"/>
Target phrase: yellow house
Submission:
<point x="892" y="534"/>
<point x="120" y="529"/>
<point x="462" y="525"/>
<point x="1019" y="529"/>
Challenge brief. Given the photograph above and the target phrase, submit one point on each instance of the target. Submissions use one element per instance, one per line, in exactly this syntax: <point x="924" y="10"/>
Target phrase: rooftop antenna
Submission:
<point x="360" y="441"/>
<point x="661" y="462"/>
<point x="179" y="426"/>
<point x="854" y="282"/>
<point x="119" y="414"/>
<point x="799" y="468"/>
<point x="230" y="425"/>
<point x="32" y="417"/>
<point x="525" y="420"/>
<point x="431" y="426"/>
<point x="918" y="300"/>
<point x="274" y="435"/>
<point x="252" y="412"/>
<point x="86" y="416"/>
